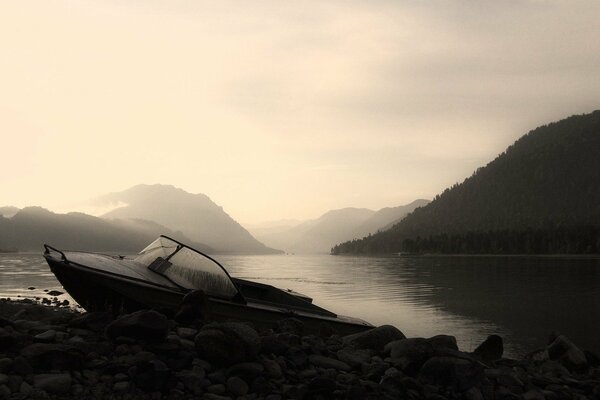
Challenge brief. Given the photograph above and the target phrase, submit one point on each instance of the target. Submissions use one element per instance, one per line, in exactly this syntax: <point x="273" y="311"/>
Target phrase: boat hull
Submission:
<point x="97" y="290"/>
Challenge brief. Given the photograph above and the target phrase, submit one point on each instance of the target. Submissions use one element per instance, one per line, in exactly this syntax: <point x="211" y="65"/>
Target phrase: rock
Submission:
<point x="93" y="321"/>
<point x="194" y="306"/>
<point x="5" y="322"/>
<point x="7" y="339"/>
<point x="192" y="380"/>
<point x="354" y="357"/>
<point x="326" y="362"/>
<point x="321" y="385"/>
<point x="272" y="368"/>
<point x="122" y="386"/>
<point x="218" y="388"/>
<point x="5" y="364"/>
<point x="443" y="341"/>
<point x="237" y="386"/>
<point x="453" y="372"/>
<point x="490" y="350"/>
<point x="392" y="384"/>
<point x="569" y="355"/>
<point x="186" y="333"/>
<point x="55" y="293"/>
<point x="151" y="375"/>
<point x="410" y="354"/>
<point x="147" y="325"/>
<point x="21" y="366"/>
<point x="53" y="356"/>
<point x="290" y="325"/>
<point x="46" y="337"/>
<point x="375" y="338"/>
<point x="246" y="370"/>
<point x="4" y="392"/>
<point x="272" y="344"/>
<point x="53" y="383"/>
<point x="3" y="379"/>
<point x="227" y="343"/>
<point x="213" y="396"/>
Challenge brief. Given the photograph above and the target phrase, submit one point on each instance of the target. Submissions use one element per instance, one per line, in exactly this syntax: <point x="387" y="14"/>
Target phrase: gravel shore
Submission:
<point x="52" y="352"/>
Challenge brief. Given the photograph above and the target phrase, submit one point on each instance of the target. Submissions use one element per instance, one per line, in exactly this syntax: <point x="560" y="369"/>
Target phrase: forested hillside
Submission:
<point x="542" y="195"/>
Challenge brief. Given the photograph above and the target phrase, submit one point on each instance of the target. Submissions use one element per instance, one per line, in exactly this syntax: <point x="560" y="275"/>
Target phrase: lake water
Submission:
<point x="523" y="299"/>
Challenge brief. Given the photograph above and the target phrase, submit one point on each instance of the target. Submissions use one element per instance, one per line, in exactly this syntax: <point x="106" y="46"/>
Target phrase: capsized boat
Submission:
<point x="166" y="270"/>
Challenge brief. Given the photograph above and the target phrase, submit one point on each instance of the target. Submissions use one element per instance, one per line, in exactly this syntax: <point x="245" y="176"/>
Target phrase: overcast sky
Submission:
<point x="280" y="109"/>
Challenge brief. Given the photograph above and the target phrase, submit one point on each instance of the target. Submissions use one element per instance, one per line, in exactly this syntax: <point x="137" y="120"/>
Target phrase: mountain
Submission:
<point x="319" y="235"/>
<point x="195" y="215"/>
<point x="8" y="211"/>
<point x="386" y="217"/>
<point x="542" y="195"/>
<point x="31" y="227"/>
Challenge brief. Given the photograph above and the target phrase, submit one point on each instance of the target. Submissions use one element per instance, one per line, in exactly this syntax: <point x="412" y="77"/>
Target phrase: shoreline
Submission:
<point x="56" y="352"/>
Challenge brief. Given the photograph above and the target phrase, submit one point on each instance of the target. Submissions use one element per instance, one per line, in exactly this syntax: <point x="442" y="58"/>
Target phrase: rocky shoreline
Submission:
<point x="50" y="352"/>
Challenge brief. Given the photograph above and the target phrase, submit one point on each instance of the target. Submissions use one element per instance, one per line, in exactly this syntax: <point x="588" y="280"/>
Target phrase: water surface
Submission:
<point x="523" y="299"/>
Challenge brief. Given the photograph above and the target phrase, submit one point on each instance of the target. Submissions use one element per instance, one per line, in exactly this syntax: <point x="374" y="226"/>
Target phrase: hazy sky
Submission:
<point x="280" y="109"/>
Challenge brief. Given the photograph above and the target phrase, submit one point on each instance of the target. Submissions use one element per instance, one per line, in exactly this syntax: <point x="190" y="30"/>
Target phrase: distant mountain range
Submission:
<point x="319" y="235"/>
<point x="31" y="227"/>
<point x="542" y="195"/>
<point x="195" y="215"/>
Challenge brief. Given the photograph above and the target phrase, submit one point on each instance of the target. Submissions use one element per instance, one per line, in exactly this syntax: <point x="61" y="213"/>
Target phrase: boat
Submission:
<point x="164" y="272"/>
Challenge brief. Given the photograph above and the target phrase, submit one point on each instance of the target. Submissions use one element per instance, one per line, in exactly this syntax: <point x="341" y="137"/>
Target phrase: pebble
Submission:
<point x="237" y="386"/>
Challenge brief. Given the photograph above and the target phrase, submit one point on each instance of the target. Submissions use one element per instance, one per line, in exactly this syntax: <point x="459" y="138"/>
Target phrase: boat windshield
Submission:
<point x="187" y="268"/>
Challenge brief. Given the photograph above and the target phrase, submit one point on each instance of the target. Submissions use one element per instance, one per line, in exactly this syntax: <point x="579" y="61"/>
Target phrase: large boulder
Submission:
<point x="145" y="325"/>
<point x="490" y="350"/>
<point x="568" y="354"/>
<point x="227" y="343"/>
<point x="374" y="339"/>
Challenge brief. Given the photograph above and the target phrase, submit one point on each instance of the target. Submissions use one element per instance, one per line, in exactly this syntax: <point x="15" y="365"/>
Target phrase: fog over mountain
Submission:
<point x="195" y="215"/>
<point x="31" y="227"/>
<point x="8" y="211"/>
<point x="319" y="235"/>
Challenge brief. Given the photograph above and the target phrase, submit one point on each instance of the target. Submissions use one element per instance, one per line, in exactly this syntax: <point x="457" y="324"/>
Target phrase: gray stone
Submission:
<point x="451" y="372"/>
<point x="321" y="385"/>
<point x="122" y="386"/>
<point x="186" y="333"/>
<point x="291" y="325"/>
<point x="246" y="370"/>
<point x="237" y="386"/>
<point x="443" y="341"/>
<point x="4" y="392"/>
<point x="354" y="357"/>
<point x="272" y="368"/>
<point x="53" y="383"/>
<point x="218" y="388"/>
<point x="569" y="355"/>
<point x="146" y="325"/>
<point x="227" y="343"/>
<point x="5" y="364"/>
<point x="46" y="337"/>
<point x="25" y="388"/>
<point x="490" y="350"/>
<point x="326" y="362"/>
<point x="375" y="338"/>
<point x="3" y="379"/>
<point x="53" y="356"/>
